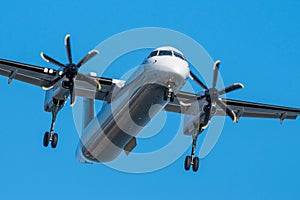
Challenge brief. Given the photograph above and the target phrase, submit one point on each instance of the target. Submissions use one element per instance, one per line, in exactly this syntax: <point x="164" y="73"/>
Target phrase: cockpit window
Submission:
<point x="165" y="53"/>
<point x="176" y="54"/>
<point x="153" y="53"/>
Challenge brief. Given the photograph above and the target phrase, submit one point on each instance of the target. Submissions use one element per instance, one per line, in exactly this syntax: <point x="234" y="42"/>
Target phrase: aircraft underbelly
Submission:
<point x="117" y="129"/>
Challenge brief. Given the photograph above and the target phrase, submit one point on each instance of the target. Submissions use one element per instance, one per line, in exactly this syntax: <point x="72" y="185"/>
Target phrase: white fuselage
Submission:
<point x="132" y="107"/>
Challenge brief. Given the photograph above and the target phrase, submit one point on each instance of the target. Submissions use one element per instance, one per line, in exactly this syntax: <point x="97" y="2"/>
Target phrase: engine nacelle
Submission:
<point x="54" y="96"/>
<point x="65" y="84"/>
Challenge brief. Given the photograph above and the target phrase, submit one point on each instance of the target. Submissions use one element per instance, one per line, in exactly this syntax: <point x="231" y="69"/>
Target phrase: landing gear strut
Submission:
<point x="51" y="136"/>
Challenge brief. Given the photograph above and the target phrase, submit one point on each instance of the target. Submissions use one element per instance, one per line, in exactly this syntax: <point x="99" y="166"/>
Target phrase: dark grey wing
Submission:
<point x="88" y="89"/>
<point x="35" y="75"/>
<point x="44" y="77"/>
<point x="241" y="108"/>
<point x="258" y="110"/>
<point x="184" y="103"/>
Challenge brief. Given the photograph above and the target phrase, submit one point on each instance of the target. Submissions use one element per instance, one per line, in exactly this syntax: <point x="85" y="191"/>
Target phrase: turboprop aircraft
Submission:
<point x="158" y="81"/>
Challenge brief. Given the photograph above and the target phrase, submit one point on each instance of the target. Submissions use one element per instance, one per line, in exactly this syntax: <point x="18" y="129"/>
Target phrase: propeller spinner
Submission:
<point x="70" y="70"/>
<point x="212" y="94"/>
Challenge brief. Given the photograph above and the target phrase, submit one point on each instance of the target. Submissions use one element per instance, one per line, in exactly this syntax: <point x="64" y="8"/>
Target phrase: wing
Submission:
<point x="88" y="90"/>
<point x="35" y="75"/>
<point x="258" y="110"/>
<point x="178" y="105"/>
<point x="241" y="108"/>
<point x="42" y="76"/>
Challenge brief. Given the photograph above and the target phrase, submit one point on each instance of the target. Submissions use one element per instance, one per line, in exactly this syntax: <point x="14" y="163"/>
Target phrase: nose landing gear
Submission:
<point x="169" y="94"/>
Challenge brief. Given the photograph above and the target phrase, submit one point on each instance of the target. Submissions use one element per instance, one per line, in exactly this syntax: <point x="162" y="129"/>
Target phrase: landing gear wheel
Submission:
<point x="195" y="164"/>
<point x="187" y="163"/>
<point x="172" y="96"/>
<point x="54" y="140"/>
<point x="169" y="95"/>
<point x="46" y="139"/>
<point x="165" y="96"/>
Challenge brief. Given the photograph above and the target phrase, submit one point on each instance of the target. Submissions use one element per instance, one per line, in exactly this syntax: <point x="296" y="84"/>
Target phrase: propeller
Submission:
<point x="70" y="70"/>
<point x="212" y="94"/>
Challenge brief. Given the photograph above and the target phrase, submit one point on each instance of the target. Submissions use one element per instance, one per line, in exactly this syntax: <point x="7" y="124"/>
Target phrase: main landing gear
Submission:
<point x="51" y="137"/>
<point x="192" y="160"/>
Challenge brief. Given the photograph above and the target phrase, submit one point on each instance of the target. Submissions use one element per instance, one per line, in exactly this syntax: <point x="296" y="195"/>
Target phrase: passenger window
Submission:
<point x="153" y="53"/>
<point x="179" y="55"/>
<point x="165" y="53"/>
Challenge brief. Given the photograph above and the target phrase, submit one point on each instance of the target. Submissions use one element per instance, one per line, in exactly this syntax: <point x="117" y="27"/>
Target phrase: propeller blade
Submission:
<point x="231" y="88"/>
<point x="87" y="58"/>
<point x="227" y="110"/>
<point x="215" y="75"/>
<point x="72" y="92"/>
<point x="51" y="60"/>
<point x="68" y="47"/>
<point x="195" y="78"/>
<point x="88" y="79"/>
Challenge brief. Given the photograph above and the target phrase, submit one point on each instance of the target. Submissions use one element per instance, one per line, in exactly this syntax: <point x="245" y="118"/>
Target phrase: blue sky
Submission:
<point x="255" y="159"/>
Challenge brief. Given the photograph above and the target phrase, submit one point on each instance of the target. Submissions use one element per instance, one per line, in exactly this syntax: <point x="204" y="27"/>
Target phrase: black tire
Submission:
<point x="195" y="164"/>
<point x="187" y="163"/>
<point x="172" y="97"/>
<point x="165" y="96"/>
<point x="54" y="140"/>
<point x="46" y="139"/>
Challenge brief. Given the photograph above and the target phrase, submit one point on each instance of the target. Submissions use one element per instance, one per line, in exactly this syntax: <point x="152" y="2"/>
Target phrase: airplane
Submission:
<point x="158" y="81"/>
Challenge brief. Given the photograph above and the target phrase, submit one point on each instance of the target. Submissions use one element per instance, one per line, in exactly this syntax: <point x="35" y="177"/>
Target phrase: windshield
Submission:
<point x="178" y="55"/>
<point x="153" y="53"/>
<point x="166" y="53"/>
